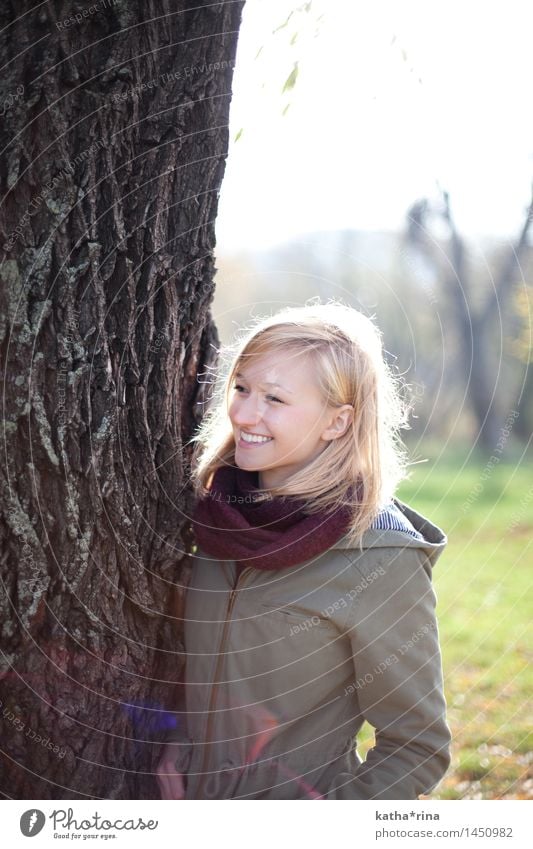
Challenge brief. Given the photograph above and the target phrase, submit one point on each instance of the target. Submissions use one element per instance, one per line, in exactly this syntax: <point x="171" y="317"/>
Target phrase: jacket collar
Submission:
<point x="433" y="540"/>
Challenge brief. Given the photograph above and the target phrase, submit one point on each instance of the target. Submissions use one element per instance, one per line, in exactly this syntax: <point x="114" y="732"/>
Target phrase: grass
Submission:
<point x="483" y="584"/>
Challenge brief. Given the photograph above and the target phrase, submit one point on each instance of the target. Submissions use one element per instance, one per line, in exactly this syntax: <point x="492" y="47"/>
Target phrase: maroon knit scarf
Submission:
<point x="272" y="533"/>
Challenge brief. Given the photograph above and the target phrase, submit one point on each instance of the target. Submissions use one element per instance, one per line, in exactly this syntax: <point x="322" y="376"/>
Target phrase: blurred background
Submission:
<point x="382" y="154"/>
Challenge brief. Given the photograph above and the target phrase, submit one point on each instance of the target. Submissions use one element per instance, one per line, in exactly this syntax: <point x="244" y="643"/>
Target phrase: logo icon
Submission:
<point x="32" y="822"/>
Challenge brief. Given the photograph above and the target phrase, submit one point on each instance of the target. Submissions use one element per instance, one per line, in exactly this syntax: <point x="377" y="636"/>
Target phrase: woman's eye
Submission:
<point x="238" y="388"/>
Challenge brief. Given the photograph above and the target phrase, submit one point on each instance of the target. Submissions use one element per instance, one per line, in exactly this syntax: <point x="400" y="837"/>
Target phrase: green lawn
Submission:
<point x="483" y="584"/>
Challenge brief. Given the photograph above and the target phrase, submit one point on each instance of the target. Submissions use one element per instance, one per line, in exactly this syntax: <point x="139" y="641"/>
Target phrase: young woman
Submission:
<point x="310" y="607"/>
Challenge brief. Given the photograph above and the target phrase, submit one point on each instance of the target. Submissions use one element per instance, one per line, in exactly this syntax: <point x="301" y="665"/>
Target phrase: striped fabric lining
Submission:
<point x="392" y="519"/>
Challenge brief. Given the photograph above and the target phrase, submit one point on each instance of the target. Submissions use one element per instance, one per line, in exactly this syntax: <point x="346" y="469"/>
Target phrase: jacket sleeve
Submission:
<point x="397" y="683"/>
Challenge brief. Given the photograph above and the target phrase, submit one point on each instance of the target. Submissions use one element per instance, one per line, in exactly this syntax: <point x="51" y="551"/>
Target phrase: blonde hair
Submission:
<point x="346" y="351"/>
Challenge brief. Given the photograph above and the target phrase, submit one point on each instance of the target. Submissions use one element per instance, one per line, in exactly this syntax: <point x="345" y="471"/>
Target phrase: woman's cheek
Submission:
<point x="232" y="410"/>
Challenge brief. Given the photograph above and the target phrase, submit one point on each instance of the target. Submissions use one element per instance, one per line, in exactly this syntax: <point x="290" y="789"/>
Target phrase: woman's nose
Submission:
<point x="247" y="412"/>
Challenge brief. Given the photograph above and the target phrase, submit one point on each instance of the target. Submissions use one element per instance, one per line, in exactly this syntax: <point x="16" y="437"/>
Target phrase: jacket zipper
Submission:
<point x="215" y="682"/>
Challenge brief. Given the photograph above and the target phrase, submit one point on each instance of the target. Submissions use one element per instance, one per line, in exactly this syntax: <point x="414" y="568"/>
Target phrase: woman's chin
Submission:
<point x="245" y="463"/>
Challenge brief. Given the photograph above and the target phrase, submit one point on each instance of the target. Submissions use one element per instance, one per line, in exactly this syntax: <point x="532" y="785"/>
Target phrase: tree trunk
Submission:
<point x="114" y="141"/>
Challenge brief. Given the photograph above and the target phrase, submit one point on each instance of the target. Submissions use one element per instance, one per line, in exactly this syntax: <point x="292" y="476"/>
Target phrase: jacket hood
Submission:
<point x="401" y="525"/>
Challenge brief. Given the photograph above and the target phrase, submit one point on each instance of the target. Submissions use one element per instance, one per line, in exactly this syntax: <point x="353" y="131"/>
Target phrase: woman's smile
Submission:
<point x="248" y="440"/>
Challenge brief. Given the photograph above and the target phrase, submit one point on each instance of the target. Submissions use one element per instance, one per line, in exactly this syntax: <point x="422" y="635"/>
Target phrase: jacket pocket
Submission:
<point x="295" y="620"/>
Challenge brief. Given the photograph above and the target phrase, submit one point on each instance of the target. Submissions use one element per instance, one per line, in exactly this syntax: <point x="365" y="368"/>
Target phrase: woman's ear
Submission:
<point x="341" y="420"/>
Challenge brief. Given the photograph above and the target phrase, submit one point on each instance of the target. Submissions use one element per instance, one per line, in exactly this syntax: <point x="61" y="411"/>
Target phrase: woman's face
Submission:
<point x="277" y="397"/>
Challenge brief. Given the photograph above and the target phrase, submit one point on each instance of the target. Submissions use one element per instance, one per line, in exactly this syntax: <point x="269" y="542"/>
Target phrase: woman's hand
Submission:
<point x="171" y="783"/>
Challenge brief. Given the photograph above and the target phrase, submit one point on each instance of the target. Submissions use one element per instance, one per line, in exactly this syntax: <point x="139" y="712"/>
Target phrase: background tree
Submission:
<point x="522" y="350"/>
<point x="114" y="138"/>
<point x="480" y="318"/>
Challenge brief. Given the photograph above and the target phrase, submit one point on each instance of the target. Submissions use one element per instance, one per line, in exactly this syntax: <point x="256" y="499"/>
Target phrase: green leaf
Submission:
<point x="239" y="134"/>
<point x="284" y="24"/>
<point x="290" y="82"/>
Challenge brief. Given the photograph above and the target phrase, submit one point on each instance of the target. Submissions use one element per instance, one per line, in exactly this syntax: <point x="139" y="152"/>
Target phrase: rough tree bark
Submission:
<point x="114" y="138"/>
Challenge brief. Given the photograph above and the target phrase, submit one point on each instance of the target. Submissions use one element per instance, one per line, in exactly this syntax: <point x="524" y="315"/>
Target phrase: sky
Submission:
<point x="392" y="100"/>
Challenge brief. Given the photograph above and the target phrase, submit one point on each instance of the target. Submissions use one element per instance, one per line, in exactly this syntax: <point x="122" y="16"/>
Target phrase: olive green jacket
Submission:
<point x="283" y="667"/>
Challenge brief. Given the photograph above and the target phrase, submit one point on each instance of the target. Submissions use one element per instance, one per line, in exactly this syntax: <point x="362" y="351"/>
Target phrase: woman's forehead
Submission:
<point x="278" y="357"/>
<point x="275" y="367"/>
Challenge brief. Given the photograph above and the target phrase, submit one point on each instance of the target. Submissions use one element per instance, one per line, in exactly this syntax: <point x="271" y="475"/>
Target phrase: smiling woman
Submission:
<point x="310" y="606"/>
<point x="279" y="436"/>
